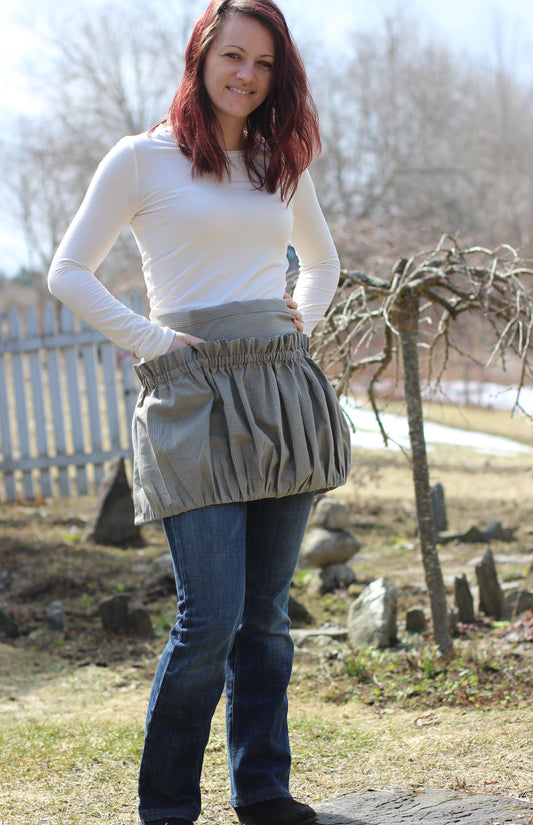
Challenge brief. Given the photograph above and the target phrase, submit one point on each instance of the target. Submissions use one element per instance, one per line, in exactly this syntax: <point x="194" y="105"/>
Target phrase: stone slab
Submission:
<point x="302" y="635"/>
<point x="428" y="807"/>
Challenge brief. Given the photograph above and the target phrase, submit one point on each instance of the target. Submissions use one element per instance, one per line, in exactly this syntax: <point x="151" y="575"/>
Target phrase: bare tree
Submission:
<point x="432" y="289"/>
<point x="419" y="133"/>
<point x="101" y="77"/>
<point x="116" y="72"/>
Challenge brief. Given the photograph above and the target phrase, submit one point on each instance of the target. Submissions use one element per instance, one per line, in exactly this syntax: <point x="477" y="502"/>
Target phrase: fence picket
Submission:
<point x="129" y="383"/>
<point x="107" y="355"/>
<point x="55" y="394"/>
<point x="19" y="389"/>
<point x="89" y="356"/>
<point x="127" y="360"/>
<point x="73" y="389"/>
<point x="5" y="435"/>
<point x="39" y="418"/>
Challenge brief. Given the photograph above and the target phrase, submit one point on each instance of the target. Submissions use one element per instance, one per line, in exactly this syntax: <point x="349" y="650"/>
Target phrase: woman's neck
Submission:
<point x="231" y="137"/>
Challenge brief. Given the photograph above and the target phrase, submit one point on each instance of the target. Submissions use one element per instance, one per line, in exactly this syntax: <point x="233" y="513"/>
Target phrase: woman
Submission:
<point x="235" y="427"/>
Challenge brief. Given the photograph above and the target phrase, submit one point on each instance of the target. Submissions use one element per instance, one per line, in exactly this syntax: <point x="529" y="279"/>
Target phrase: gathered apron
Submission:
<point x="243" y="416"/>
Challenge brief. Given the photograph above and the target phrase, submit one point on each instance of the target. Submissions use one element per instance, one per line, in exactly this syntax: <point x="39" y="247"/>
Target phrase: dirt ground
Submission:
<point x="44" y="557"/>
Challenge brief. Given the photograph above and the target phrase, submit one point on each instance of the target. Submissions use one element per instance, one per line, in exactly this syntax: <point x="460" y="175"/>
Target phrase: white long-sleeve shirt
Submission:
<point x="202" y="242"/>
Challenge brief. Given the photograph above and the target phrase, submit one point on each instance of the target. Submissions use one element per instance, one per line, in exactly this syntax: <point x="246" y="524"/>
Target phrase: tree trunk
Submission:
<point x="405" y="319"/>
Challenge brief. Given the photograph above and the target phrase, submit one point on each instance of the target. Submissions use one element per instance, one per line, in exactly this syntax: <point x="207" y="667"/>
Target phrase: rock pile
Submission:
<point x="328" y="545"/>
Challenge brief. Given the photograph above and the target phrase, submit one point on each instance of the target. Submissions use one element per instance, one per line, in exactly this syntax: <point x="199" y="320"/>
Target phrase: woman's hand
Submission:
<point x="292" y="306"/>
<point x="182" y="339"/>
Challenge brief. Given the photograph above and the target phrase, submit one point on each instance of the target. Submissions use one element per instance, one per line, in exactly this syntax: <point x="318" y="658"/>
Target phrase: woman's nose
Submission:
<point x="245" y="71"/>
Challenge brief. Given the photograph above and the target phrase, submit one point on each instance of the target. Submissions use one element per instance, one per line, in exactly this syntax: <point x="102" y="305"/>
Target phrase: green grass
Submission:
<point x="69" y="771"/>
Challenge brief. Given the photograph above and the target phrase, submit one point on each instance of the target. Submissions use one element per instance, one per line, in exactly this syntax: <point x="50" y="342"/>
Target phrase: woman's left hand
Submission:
<point x="292" y="306"/>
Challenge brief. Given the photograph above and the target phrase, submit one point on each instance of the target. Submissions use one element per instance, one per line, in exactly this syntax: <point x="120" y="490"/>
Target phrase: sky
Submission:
<point x="468" y="24"/>
<point x="473" y="25"/>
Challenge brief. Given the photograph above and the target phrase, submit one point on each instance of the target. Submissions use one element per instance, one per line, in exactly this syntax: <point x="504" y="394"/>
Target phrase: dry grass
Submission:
<point x="70" y="749"/>
<point x="72" y="710"/>
<point x="496" y="422"/>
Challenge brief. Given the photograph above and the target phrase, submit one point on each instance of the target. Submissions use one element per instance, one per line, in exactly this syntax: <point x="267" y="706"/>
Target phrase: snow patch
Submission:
<point x="367" y="435"/>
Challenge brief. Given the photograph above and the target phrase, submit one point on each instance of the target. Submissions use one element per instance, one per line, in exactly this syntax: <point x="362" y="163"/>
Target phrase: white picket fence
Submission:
<point x="66" y="402"/>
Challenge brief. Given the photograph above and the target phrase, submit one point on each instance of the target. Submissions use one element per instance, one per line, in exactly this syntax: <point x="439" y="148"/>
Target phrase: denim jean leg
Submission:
<point x="259" y="665"/>
<point x="208" y="551"/>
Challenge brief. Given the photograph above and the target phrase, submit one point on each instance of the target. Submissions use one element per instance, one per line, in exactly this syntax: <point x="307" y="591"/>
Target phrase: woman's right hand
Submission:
<point x="183" y="339"/>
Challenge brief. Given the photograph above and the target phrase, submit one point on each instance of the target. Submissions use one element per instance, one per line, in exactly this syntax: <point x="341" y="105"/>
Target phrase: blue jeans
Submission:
<point x="233" y="565"/>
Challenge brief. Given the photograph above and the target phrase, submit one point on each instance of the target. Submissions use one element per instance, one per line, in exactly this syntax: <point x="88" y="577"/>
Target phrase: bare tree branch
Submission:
<point x="447" y="281"/>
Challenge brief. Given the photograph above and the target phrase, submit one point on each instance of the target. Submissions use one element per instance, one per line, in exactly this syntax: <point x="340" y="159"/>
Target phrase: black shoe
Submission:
<point x="172" y="821"/>
<point x="284" y="811"/>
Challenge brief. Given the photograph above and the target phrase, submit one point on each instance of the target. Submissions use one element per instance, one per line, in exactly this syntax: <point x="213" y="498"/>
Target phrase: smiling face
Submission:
<point x="238" y="73"/>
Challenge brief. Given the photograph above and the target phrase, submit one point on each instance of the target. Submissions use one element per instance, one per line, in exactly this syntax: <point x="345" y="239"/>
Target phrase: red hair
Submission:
<point x="281" y="136"/>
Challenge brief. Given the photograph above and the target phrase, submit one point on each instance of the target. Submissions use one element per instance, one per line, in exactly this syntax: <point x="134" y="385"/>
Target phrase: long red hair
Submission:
<point x="281" y="136"/>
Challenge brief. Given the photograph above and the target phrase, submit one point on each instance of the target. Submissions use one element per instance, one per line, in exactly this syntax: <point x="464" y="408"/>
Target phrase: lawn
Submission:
<point x="73" y="704"/>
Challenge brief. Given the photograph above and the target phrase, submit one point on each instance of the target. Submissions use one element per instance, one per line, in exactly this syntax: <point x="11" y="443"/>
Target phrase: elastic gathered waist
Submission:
<point x="217" y="355"/>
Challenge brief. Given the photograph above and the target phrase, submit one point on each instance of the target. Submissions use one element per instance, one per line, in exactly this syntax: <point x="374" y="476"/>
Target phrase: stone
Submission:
<point x="494" y="530"/>
<point x="453" y="621"/>
<point x="331" y="514"/>
<point x="439" y="508"/>
<point x="112" y="521"/>
<point x="518" y="601"/>
<point x="56" y="617"/>
<point x="321" y="547"/>
<point x="119" y="614"/>
<point x="138" y="621"/>
<point x="9" y="628"/>
<point x="114" y="612"/>
<point x="415" y="620"/>
<point x="424" y="807"/>
<point x="331" y="578"/>
<point x="298" y="613"/>
<point x="483" y="535"/>
<point x="472" y="536"/>
<point x="491" y="598"/>
<point x="448" y="536"/>
<point x="464" y="601"/>
<point x="161" y="579"/>
<point x="319" y="635"/>
<point x="372" y="617"/>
